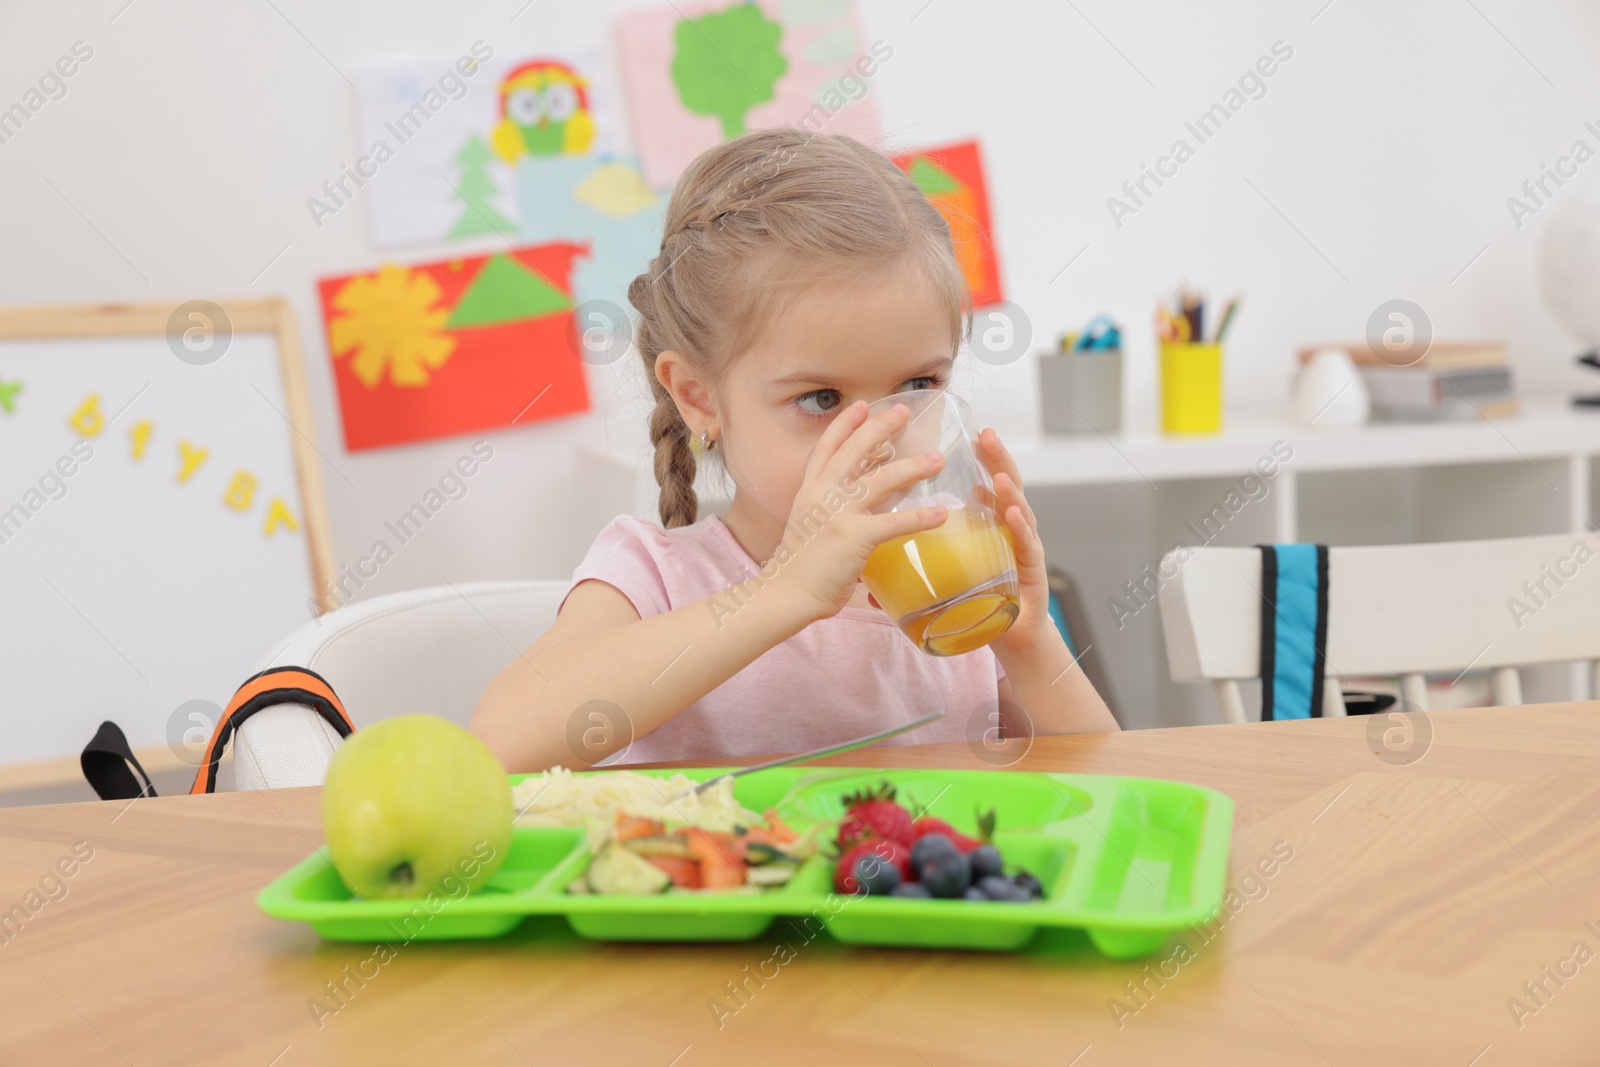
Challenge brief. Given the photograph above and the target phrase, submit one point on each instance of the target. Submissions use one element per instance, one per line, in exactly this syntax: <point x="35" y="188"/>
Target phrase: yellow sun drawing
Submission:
<point x="391" y="322"/>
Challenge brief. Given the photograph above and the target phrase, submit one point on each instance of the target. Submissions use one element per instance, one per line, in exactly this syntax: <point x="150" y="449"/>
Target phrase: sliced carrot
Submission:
<point x="685" y="873"/>
<point x="630" y="827"/>
<point x="721" y="858"/>
<point x="731" y="844"/>
<point x="779" y="832"/>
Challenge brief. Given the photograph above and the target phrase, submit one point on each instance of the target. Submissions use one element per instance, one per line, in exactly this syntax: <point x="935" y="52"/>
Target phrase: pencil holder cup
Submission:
<point x="1081" y="392"/>
<point x="1191" y="388"/>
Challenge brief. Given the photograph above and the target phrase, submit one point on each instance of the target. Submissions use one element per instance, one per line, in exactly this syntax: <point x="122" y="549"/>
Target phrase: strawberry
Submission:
<point x="932" y="824"/>
<point x="874" y="813"/>
<point x="844" y="875"/>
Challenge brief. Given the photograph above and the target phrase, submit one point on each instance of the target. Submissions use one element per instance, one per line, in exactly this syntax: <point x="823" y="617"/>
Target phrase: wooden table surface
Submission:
<point x="1421" y="896"/>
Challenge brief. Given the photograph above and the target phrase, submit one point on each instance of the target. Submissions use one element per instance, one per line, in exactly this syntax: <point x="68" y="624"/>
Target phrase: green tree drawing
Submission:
<point x="474" y="189"/>
<point x="726" y="63"/>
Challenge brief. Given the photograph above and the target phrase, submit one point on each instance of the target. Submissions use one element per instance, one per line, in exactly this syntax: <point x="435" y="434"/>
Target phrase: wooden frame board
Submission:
<point x="271" y="317"/>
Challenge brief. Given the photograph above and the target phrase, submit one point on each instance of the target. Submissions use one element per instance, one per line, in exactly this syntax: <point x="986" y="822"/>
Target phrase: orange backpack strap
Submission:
<point x="278" y="685"/>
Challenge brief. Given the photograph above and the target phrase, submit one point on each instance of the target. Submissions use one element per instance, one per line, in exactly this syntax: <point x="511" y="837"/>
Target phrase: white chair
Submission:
<point x="1396" y="610"/>
<point x="429" y="650"/>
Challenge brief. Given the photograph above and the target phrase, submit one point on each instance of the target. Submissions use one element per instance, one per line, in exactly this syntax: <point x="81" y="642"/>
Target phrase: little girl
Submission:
<point x="800" y="277"/>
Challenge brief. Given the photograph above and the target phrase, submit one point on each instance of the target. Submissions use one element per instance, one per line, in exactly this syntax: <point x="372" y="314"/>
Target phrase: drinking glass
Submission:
<point x="951" y="589"/>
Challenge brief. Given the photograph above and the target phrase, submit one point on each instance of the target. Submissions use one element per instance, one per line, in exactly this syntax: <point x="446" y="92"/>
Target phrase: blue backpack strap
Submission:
<point x="1294" y="630"/>
<point x="1058" y="615"/>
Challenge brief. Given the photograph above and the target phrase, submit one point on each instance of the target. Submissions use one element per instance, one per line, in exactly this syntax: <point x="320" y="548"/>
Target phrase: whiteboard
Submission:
<point x="126" y="591"/>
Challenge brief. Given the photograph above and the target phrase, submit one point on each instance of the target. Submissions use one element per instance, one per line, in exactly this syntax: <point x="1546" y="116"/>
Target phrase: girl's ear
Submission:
<point x="689" y="392"/>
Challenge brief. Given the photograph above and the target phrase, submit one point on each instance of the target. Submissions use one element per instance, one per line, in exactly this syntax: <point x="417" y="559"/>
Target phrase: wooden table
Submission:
<point x="1419" y="899"/>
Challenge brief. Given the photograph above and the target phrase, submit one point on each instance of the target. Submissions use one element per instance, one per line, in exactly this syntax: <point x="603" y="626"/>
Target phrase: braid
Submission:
<point x="675" y="464"/>
<point x="669" y="435"/>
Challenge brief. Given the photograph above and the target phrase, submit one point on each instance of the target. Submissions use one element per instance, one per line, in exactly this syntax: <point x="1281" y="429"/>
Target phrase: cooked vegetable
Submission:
<point x="759" y="853"/>
<point x="661" y="845"/>
<point x="630" y="827"/>
<point x="776" y="828"/>
<point x="637" y="854"/>
<point x="721" y="858"/>
<point x="773" y="874"/>
<point x="684" y="872"/>
<point x="616" y="870"/>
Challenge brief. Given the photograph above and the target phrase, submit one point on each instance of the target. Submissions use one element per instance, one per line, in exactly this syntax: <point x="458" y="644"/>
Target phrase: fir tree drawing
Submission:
<point x="476" y="190"/>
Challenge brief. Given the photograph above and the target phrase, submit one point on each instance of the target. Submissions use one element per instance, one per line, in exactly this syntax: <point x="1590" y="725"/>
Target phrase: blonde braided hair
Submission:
<point x="750" y="223"/>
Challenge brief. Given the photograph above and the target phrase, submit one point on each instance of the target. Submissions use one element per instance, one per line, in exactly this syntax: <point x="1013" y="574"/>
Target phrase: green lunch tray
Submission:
<point x="1128" y="860"/>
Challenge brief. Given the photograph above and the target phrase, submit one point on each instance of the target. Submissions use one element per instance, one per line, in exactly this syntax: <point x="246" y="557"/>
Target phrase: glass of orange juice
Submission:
<point x="953" y="588"/>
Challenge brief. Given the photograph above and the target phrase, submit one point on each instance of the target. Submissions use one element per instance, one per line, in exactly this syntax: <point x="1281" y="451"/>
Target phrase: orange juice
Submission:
<point x="950" y="589"/>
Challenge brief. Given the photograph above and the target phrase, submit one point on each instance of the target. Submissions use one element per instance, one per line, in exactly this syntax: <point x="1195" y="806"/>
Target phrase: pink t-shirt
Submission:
<point x="853" y="674"/>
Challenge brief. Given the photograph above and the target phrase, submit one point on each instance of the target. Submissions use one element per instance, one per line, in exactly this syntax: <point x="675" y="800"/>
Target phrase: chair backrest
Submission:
<point x="1395" y="610"/>
<point x="1066" y="609"/>
<point x="429" y="650"/>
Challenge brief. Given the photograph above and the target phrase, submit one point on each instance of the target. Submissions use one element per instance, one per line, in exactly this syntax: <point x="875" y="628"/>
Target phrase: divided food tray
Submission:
<point x="1128" y="860"/>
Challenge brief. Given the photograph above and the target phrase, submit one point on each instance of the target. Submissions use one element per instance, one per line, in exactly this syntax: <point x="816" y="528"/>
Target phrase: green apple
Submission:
<point x="415" y="805"/>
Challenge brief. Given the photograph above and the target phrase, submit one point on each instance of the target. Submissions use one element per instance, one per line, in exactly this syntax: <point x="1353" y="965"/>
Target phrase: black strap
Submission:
<point x="1319" y="668"/>
<point x="1269" y="628"/>
<point x="105" y="762"/>
<point x="1358" y="703"/>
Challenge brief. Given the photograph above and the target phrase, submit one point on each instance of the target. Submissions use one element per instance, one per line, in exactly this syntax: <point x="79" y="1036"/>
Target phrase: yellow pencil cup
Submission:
<point x="1191" y="388"/>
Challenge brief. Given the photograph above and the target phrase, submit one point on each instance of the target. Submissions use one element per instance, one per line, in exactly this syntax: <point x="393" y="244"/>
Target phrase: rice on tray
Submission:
<point x="560" y="798"/>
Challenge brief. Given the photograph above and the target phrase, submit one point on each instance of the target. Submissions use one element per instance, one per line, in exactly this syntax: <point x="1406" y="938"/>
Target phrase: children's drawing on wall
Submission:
<point x="449" y="347"/>
<point x="527" y="148"/>
<point x="699" y="74"/>
<point x="952" y="179"/>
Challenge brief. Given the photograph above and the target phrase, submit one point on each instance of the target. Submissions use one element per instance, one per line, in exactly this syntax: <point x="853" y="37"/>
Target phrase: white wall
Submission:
<point x="1376" y="166"/>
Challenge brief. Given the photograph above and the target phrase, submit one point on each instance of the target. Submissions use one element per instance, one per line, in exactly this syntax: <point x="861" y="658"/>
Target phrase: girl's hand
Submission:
<point x="1033" y="624"/>
<point x="832" y="529"/>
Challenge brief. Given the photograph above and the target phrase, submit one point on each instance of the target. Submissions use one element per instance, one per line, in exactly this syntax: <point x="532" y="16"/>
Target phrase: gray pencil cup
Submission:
<point x="1081" y="391"/>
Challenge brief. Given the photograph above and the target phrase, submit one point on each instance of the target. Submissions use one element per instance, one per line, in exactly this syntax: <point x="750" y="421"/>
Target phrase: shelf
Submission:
<point x="1546" y="429"/>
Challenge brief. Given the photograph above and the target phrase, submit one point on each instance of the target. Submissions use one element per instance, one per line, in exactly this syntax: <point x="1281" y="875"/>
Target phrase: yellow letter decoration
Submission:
<point x="278" y="514"/>
<point x="140" y="436"/>
<point x="87" y="420"/>
<point x="190" y="459"/>
<point x="241" y="491"/>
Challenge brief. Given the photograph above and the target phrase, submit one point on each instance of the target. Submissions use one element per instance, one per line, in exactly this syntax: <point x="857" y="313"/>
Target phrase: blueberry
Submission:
<point x="910" y="889"/>
<point x="875" y="876"/>
<point x="1001" y="888"/>
<point x="985" y="860"/>
<point x="946" y="874"/>
<point x="1024" y="880"/>
<point x="994" y="884"/>
<point x="972" y="892"/>
<point x="929" y="845"/>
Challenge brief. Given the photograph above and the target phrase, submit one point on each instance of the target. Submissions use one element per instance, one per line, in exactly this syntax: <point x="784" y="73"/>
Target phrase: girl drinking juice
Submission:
<point x="800" y="277"/>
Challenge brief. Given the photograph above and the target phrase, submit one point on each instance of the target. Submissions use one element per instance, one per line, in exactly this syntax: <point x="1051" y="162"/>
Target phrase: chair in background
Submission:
<point x="427" y="650"/>
<point x="1066" y="611"/>
<point x="1397" y="610"/>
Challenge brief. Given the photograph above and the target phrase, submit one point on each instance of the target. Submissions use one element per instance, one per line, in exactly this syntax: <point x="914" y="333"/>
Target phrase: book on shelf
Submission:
<point x="1429" y="394"/>
<point x="1441" y="355"/>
